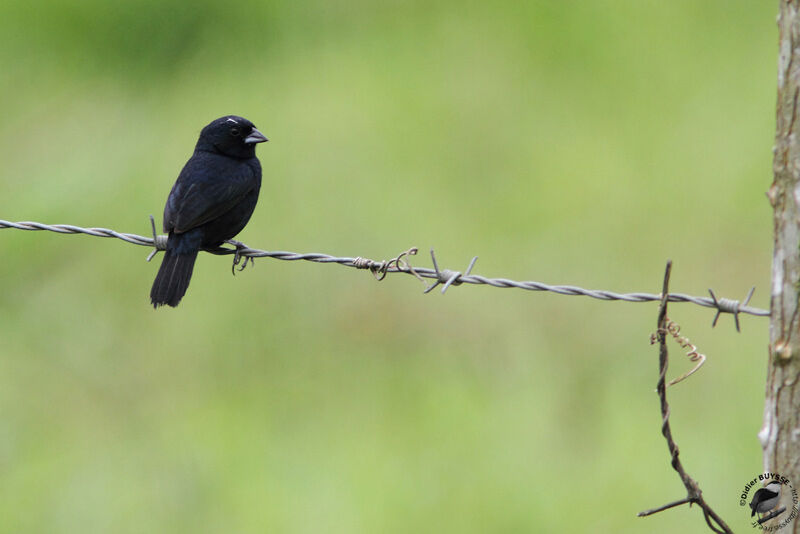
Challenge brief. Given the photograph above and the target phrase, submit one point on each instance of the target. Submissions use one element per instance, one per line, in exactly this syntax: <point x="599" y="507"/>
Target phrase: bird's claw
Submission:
<point x="237" y="256"/>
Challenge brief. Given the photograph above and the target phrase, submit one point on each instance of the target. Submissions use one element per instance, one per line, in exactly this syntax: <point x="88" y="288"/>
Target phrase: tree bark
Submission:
<point x="780" y="434"/>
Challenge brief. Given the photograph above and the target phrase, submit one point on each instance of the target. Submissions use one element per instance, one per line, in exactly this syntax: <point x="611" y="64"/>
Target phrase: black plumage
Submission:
<point x="766" y="498"/>
<point x="211" y="202"/>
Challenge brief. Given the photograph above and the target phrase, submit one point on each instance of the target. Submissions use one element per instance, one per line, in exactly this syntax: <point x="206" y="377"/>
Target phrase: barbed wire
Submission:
<point x="400" y="264"/>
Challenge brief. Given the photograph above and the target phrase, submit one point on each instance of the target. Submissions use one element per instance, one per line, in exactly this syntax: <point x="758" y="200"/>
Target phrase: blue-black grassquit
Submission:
<point x="211" y="201"/>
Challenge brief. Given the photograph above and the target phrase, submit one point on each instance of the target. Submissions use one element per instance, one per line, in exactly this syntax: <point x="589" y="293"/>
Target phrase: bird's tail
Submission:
<point x="173" y="278"/>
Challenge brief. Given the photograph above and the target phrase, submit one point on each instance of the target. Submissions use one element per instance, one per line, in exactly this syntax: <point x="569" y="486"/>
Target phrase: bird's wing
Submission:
<point x="207" y="187"/>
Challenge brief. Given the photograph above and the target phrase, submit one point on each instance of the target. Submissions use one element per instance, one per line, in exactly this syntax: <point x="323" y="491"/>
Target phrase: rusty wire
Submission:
<point x="693" y="493"/>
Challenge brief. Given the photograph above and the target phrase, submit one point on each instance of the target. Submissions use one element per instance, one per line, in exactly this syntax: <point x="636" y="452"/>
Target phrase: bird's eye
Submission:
<point x="235" y="132"/>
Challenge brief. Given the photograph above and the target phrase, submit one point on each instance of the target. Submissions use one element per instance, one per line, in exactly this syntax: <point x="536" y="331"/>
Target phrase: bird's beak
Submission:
<point x="255" y="137"/>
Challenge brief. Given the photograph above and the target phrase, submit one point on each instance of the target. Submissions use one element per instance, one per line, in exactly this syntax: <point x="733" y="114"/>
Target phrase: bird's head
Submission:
<point x="774" y="485"/>
<point x="232" y="136"/>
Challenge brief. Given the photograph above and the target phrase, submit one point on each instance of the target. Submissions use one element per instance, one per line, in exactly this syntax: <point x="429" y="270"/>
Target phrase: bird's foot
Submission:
<point x="237" y="256"/>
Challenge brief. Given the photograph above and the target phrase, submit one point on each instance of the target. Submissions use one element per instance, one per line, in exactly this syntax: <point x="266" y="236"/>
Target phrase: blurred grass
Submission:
<point x="580" y="144"/>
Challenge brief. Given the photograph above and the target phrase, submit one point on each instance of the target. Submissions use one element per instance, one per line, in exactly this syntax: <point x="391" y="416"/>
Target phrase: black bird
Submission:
<point x="211" y="201"/>
<point x="766" y="498"/>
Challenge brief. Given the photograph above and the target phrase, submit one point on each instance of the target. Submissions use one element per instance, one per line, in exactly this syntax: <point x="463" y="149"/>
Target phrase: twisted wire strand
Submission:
<point x="71" y="229"/>
<point x="394" y="266"/>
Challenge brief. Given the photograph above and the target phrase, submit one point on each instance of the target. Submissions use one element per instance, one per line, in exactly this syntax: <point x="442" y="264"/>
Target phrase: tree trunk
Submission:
<point x="780" y="435"/>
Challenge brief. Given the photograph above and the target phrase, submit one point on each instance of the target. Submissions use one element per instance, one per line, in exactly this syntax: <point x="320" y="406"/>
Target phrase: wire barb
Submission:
<point x="159" y="241"/>
<point x="446" y="276"/>
<point x="729" y="306"/>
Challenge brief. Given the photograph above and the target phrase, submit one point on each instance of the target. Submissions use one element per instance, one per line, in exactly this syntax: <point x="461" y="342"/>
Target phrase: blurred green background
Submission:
<point x="567" y="142"/>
